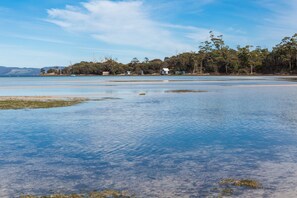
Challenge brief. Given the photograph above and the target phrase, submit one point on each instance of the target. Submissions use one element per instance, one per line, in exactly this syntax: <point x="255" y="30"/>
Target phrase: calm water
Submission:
<point x="158" y="145"/>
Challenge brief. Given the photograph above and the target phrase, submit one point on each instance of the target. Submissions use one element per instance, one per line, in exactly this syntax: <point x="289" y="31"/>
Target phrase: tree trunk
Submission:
<point x="296" y="61"/>
<point x="226" y="68"/>
<point x="195" y="68"/>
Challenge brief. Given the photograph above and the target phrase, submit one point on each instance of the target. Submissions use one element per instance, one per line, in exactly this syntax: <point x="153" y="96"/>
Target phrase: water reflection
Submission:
<point x="158" y="145"/>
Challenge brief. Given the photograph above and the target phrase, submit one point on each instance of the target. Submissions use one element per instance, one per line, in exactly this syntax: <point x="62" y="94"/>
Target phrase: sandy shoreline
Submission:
<point x="276" y="85"/>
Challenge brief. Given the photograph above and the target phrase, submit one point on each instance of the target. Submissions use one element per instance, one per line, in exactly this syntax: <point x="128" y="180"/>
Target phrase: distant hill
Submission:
<point x="17" y="71"/>
<point x="53" y="67"/>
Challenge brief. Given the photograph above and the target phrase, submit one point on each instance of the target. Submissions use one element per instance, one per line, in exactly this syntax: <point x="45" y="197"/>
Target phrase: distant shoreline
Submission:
<point x="83" y="75"/>
<point x="173" y="75"/>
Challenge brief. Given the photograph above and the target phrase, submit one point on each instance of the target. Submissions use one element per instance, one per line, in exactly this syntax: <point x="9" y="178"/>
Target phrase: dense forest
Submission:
<point x="212" y="57"/>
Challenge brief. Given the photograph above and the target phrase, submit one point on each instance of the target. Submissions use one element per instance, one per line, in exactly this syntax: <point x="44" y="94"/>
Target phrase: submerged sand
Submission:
<point x="273" y="85"/>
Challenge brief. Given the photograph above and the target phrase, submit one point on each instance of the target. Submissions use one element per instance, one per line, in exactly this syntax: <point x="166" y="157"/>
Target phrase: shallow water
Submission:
<point x="157" y="145"/>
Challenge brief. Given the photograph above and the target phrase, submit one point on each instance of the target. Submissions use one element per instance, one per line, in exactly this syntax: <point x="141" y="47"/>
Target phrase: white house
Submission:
<point x="165" y="71"/>
<point x="105" y="73"/>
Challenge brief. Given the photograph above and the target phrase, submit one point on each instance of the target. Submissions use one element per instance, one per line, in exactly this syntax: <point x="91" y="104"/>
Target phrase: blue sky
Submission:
<point x="37" y="33"/>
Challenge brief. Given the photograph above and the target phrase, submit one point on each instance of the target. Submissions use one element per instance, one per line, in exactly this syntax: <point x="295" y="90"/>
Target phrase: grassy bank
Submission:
<point x="36" y="102"/>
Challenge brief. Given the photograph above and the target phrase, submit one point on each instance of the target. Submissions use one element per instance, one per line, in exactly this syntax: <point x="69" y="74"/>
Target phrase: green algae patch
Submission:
<point x="233" y="187"/>
<point x="104" y="98"/>
<point x="248" y="183"/>
<point x="241" y="183"/>
<point x="110" y="194"/>
<point x="13" y="104"/>
<point x="54" y="196"/>
<point x="185" y="91"/>
<point x="102" y="194"/>
<point x="226" y="192"/>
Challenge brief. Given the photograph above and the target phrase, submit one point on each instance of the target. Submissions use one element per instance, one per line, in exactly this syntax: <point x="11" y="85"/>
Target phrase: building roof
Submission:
<point x="165" y="69"/>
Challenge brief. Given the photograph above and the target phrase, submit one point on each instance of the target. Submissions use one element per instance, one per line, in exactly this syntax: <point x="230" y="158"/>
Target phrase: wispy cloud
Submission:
<point x="41" y="39"/>
<point x="178" y="5"/>
<point x="281" y="20"/>
<point x="283" y="14"/>
<point x="126" y="23"/>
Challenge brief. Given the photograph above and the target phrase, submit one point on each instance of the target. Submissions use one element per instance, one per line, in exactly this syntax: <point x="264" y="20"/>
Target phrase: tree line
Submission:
<point x="212" y="57"/>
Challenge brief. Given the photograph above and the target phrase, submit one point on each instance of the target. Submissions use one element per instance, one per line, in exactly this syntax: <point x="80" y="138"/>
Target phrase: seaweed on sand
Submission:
<point x="248" y="183"/>
<point x="101" y="194"/>
<point x="185" y="91"/>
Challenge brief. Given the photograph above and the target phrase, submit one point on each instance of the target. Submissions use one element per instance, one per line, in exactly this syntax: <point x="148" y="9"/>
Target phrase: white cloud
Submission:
<point x="126" y="23"/>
